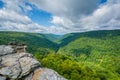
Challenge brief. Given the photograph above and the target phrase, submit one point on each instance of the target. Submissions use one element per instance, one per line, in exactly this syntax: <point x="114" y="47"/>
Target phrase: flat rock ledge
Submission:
<point x="22" y="66"/>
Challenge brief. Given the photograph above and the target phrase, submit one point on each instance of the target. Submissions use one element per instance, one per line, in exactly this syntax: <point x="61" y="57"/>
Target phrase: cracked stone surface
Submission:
<point x="14" y="66"/>
<point x="4" y="50"/>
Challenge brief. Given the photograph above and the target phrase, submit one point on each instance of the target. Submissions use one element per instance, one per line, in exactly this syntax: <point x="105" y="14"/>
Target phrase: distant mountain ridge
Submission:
<point x="52" y="41"/>
<point x="64" y="40"/>
<point x="93" y="55"/>
<point x="52" y="37"/>
<point x="31" y="39"/>
<point x="78" y="42"/>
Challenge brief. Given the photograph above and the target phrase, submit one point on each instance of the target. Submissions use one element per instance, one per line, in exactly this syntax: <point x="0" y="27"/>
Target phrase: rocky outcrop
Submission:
<point x="14" y="66"/>
<point x="44" y="74"/>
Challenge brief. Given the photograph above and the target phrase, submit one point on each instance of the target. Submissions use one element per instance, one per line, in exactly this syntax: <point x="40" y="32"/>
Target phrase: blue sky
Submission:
<point x="42" y="17"/>
<point x="103" y="1"/>
<point x="39" y="16"/>
<point x="58" y="17"/>
<point x="1" y="4"/>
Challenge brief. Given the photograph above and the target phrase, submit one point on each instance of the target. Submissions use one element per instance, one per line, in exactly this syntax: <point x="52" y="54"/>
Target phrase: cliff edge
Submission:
<point x="22" y="66"/>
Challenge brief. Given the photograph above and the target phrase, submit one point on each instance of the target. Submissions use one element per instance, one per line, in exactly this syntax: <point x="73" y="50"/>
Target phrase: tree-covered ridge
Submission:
<point x="93" y="55"/>
<point x="86" y="56"/>
<point x="52" y="37"/>
<point x="101" y="34"/>
<point x="33" y="40"/>
<point x="96" y="53"/>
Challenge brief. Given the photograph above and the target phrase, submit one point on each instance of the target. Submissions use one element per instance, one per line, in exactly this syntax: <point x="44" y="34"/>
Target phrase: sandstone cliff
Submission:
<point x="22" y="66"/>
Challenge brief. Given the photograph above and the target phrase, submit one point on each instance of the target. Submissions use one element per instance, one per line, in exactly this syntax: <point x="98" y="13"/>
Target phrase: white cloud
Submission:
<point x="12" y="19"/>
<point x="67" y="7"/>
<point x="78" y="15"/>
<point x="106" y="16"/>
<point x="9" y="15"/>
<point x="68" y="16"/>
<point x="62" y="21"/>
<point x="29" y="8"/>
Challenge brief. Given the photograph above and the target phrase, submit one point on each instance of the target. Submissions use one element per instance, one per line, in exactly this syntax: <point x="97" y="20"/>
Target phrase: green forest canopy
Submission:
<point x="91" y="55"/>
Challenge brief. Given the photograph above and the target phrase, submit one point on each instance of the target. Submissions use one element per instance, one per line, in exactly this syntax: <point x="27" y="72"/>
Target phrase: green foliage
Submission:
<point x="33" y="41"/>
<point x="103" y="34"/>
<point x="87" y="56"/>
<point x="42" y="52"/>
<point x="79" y="56"/>
<point x="53" y="37"/>
<point x="73" y="70"/>
<point x="85" y="50"/>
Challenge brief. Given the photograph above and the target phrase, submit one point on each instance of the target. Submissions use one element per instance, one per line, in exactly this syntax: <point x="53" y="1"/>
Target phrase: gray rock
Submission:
<point x="2" y="78"/>
<point x="10" y="66"/>
<point x="17" y="65"/>
<point x="28" y="64"/>
<point x="6" y="50"/>
<point x="25" y="55"/>
<point x="45" y="74"/>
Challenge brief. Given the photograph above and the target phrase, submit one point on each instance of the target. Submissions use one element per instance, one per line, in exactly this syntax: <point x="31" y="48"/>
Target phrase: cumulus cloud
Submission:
<point x="82" y="15"/>
<point x="67" y="7"/>
<point x="12" y="19"/>
<point x="68" y="15"/>
<point x="107" y="16"/>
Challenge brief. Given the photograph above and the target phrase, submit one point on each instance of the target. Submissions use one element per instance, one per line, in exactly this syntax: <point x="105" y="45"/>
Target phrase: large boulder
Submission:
<point x="17" y="65"/>
<point x="4" y="50"/>
<point x="14" y="66"/>
<point x="2" y="78"/>
<point x="28" y="64"/>
<point x="44" y="74"/>
<point x="10" y="66"/>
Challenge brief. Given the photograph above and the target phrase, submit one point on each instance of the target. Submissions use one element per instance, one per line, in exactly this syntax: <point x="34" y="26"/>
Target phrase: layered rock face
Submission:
<point x="22" y="66"/>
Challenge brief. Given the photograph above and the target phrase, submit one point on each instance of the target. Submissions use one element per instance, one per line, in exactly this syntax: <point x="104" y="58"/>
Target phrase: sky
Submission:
<point x="59" y="16"/>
